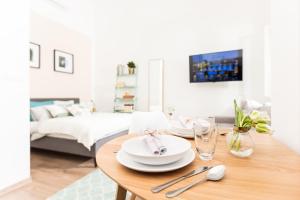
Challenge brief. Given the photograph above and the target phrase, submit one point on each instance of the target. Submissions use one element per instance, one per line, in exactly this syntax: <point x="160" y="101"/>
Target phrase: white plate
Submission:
<point x="179" y="130"/>
<point x="125" y="160"/>
<point x="181" y="134"/>
<point x="139" y="152"/>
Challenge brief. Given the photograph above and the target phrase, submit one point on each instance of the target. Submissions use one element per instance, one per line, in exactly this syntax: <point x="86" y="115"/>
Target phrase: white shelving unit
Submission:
<point x="125" y="92"/>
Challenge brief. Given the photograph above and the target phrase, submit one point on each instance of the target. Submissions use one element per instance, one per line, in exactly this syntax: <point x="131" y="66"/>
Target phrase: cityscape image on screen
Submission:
<point x="219" y="66"/>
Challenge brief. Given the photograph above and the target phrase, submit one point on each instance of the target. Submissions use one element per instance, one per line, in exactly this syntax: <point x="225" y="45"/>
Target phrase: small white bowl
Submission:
<point x="137" y="149"/>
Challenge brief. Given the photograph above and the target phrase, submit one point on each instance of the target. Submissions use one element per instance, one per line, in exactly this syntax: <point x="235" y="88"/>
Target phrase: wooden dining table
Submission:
<point x="272" y="172"/>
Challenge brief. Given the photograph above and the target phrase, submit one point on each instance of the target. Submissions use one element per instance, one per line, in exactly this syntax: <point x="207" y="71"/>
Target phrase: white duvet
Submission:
<point x="86" y="129"/>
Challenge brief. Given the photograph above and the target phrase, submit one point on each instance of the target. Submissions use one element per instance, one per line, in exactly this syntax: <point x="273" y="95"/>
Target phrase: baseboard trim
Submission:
<point x="15" y="186"/>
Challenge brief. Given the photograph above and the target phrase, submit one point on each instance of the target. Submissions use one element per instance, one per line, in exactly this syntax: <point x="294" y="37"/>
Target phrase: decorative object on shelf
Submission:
<point x="63" y="62"/>
<point x="127" y="95"/>
<point x="120" y="70"/>
<point x="120" y="84"/>
<point x="34" y="55"/>
<point x="128" y="108"/>
<point x="125" y="90"/>
<point x="93" y="106"/>
<point x="131" y="67"/>
<point x="171" y="112"/>
<point x="239" y="141"/>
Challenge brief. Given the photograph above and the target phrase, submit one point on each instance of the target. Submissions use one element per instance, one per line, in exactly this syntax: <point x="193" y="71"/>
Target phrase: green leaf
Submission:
<point x="262" y="128"/>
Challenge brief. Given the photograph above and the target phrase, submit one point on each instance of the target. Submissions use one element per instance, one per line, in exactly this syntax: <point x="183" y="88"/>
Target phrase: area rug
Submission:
<point x="94" y="186"/>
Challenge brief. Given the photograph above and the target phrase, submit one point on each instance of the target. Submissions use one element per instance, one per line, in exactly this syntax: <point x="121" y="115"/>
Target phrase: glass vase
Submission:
<point x="240" y="142"/>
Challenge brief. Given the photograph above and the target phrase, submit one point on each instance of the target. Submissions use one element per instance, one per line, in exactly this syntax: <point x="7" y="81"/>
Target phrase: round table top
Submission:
<point x="271" y="172"/>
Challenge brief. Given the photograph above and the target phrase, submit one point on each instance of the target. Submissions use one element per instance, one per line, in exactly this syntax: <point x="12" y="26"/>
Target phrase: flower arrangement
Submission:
<point x="256" y="119"/>
<point x="239" y="141"/>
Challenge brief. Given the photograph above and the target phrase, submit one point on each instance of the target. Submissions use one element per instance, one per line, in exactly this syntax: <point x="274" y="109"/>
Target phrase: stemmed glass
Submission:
<point x="206" y="134"/>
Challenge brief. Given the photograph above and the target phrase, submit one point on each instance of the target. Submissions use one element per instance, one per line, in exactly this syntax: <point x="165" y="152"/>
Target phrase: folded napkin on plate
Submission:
<point x="155" y="144"/>
<point x="186" y="122"/>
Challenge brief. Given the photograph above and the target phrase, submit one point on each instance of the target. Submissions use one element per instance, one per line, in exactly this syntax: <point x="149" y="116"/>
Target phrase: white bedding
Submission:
<point x="34" y="127"/>
<point x="85" y="129"/>
<point x="36" y="135"/>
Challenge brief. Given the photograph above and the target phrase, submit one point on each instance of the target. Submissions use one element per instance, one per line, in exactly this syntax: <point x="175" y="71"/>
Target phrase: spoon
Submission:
<point x="214" y="174"/>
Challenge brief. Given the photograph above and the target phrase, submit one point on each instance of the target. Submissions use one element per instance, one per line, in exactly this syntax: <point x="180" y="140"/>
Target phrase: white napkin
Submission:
<point x="154" y="144"/>
<point x="186" y="122"/>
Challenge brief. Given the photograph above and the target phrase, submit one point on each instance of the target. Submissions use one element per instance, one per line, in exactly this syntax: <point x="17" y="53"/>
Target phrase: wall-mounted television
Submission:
<point x="218" y="66"/>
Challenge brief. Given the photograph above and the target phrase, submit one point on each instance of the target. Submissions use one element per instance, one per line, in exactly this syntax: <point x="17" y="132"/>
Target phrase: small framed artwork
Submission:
<point x="34" y="55"/>
<point x="63" y="62"/>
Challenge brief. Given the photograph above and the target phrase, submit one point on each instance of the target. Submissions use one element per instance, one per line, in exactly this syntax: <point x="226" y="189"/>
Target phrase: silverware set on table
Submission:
<point x="215" y="173"/>
<point x="161" y="187"/>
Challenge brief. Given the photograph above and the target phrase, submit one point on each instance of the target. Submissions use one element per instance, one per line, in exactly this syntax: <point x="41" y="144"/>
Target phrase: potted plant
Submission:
<point x="131" y="67"/>
<point x="239" y="141"/>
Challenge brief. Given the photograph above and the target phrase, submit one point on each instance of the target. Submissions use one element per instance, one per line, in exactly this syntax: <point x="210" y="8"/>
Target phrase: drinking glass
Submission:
<point x="205" y="137"/>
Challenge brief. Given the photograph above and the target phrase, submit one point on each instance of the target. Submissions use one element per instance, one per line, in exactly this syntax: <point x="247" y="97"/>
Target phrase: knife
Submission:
<point x="176" y="180"/>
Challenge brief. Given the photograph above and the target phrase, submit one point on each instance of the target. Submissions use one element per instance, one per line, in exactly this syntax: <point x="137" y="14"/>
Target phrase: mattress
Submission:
<point x="34" y="134"/>
<point x="85" y="129"/>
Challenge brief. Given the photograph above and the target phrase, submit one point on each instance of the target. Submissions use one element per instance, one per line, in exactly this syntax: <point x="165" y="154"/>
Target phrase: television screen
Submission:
<point x="219" y="66"/>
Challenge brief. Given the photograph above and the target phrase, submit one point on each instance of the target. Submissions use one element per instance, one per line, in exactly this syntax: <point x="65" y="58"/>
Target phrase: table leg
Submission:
<point x="133" y="196"/>
<point x="121" y="193"/>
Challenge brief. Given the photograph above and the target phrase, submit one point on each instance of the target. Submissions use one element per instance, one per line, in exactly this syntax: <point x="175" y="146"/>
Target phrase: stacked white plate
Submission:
<point x="136" y="155"/>
<point x="179" y="130"/>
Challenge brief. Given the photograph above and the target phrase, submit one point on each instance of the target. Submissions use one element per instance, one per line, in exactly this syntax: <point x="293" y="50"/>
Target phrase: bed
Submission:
<point x="78" y="135"/>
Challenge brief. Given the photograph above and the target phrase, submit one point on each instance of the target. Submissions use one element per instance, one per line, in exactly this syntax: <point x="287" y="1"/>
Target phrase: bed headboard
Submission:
<point x="76" y="100"/>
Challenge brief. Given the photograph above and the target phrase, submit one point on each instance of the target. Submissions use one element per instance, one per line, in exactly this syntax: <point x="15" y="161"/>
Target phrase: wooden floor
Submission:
<point x="50" y="173"/>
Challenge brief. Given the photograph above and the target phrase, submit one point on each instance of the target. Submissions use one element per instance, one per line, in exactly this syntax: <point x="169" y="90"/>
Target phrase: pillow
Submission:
<point x="64" y="103"/>
<point x="39" y="113"/>
<point x="57" y="111"/>
<point x="40" y="103"/>
<point x="37" y="104"/>
<point x="78" y="110"/>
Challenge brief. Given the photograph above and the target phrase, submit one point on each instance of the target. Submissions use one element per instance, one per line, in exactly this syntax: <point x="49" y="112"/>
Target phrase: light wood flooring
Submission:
<point x="50" y="172"/>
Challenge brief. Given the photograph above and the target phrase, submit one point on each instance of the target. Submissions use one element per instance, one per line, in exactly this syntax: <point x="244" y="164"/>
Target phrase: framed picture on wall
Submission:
<point x="34" y="55"/>
<point x="63" y="62"/>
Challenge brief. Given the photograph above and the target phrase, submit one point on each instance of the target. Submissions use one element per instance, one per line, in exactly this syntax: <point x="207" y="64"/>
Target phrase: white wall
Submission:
<point x="14" y="118"/>
<point x="285" y="54"/>
<point x="44" y="81"/>
<point x="140" y="30"/>
<point x="77" y="15"/>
